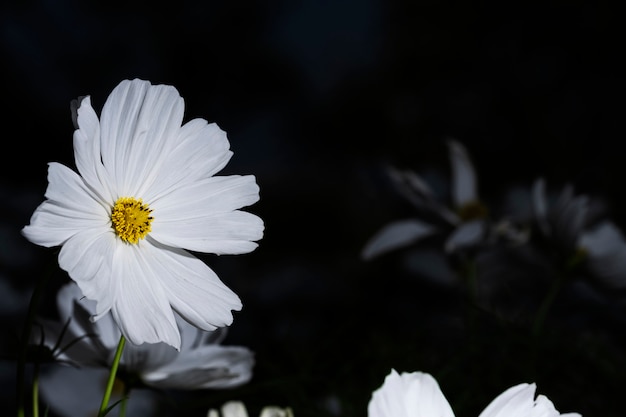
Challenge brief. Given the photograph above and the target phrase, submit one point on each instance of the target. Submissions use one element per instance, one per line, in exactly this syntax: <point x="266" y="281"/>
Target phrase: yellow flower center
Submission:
<point x="131" y="219"/>
<point x="472" y="210"/>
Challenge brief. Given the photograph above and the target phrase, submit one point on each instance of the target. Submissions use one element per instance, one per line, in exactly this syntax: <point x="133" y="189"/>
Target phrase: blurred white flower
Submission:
<point x="74" y="392"/>
<point x="604" y="247"/>
<point x="417" y="394"/>
<point x="569" y="222"/>
<point x="201" y="363"/>
<point x="464" y="219"/>
<point x="145" y="193"/>
<point x="238" y="409"/>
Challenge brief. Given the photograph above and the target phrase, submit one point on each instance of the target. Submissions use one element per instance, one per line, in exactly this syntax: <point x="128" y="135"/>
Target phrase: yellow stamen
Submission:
<point x="131" y="219"/>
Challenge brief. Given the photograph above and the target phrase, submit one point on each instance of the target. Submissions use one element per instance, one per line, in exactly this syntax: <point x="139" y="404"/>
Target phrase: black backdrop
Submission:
<point x="316" y="96"/>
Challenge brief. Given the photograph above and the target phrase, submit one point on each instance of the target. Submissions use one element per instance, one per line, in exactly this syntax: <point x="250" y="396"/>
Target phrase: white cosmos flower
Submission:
<point x="144" y="195"/>
<point x="200" y="364"/>
<point x="417" y="394"/>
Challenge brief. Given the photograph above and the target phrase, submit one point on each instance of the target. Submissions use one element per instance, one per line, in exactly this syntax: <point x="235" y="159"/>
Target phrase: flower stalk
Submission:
<point x="111" y="380"/>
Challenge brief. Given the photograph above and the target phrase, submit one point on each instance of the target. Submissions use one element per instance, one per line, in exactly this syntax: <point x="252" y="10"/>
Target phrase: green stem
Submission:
<point x="111" y="381"/>
<point x="124" y="402"/>
<point x="36" y="390"/>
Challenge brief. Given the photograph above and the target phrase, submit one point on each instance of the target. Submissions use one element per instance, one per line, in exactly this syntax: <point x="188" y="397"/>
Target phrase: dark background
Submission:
<point x="316" y="96"/>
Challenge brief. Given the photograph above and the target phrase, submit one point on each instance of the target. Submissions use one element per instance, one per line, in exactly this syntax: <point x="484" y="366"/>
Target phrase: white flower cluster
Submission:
<point x="417" y="394"/>
<point x="145" y="196"/>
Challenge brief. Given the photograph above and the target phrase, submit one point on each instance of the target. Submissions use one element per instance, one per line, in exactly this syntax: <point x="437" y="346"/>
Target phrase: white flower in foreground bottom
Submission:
<point x="520" y="401"/>
<point x="238" y="409"/>
<point x="417" y="394"/>
<point x="143" y="196"/>
<point x="201" y="363"/>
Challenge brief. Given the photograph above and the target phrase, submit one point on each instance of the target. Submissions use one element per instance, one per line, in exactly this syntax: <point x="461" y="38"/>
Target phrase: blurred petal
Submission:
<point x="540" y="206"/>
<point x="210" y="366"/>
<point x="72" y="392"/>
<point x="396" y="235"/>
<point x="466" y="235"/>
<point x="606" y="253"/>
<point x="234" y="409"/>
<point x="271" y="411"/>
<point x="464" y="184"/>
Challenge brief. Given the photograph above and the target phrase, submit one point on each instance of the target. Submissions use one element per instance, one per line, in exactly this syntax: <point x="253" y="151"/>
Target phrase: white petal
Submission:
<point x="201" y="150"/>
<point x="515" y="401"/>
<point x="193" y="289"/>
<point x="68" y="209"/>
<point x="413" y="394"/>
<point x="139" y="126"/>
<point x="205" y="197"/>
<point x="466" y="235"/>
<point x="220" y="233"/>
<point x="87" y="151"/>
<point x="464" y="184"/>
<point x="271" y="411"/>
<point x="234" y="409"/>
<point x="87" y="257"/>
<point x="519" y="401"/>
<point x="141" y="307"/>
<point x="396" y="235"/>
<point x="206" y="367"/>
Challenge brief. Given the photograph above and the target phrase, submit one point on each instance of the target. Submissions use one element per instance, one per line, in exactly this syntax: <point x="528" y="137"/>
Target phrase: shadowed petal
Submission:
<point x="72" y="392"/>
<point x="466" y="235"/>
<point x="209" y="366"/>
<point x="464" y="184"/>
<point x="396" y="235"/>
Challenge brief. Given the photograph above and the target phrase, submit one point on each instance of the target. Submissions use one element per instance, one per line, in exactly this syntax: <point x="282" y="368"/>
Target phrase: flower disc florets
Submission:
<point x="131" y="219"/>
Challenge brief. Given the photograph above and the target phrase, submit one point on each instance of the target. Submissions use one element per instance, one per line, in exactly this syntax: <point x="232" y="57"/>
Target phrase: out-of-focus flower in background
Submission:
<point x="202" y="363"/>
<point x="145" y="193"/>
<point x="581" y="232"/>
<point x="238" y="409"/>
<point x="463" y="221"/>
<point x="417" y="394"/>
